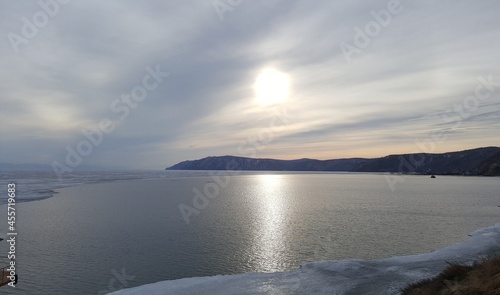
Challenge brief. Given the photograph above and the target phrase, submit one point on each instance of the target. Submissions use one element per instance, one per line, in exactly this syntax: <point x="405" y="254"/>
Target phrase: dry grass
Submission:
<point x="482" y="278"/>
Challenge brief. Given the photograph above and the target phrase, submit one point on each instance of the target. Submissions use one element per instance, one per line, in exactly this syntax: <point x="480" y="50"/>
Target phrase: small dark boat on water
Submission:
<point x="433" y="176"/>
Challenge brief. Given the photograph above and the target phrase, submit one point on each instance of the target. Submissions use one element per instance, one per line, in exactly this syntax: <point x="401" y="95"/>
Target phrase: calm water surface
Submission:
<point x="85" y="238"/>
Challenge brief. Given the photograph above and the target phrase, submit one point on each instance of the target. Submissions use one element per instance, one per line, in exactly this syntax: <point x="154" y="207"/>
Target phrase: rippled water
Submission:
<point x="79" y="240"/>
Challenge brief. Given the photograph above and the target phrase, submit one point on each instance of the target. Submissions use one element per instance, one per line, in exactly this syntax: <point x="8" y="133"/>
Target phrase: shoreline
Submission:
<point x="480" y="277"/>
<point x="333" y="275"/>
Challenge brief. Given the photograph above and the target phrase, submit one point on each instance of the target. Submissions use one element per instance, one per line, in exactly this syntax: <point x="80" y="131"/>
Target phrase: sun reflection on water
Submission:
<point x="270" y="245"/>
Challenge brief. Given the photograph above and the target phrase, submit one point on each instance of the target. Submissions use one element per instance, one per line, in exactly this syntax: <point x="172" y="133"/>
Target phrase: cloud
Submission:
<point x="66" y="77"/>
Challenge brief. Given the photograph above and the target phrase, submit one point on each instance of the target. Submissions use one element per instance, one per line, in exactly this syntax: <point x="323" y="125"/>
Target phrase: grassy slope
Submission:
<point x="482" y="278"/>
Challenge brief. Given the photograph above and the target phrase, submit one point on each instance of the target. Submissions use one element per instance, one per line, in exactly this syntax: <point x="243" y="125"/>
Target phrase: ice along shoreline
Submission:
<point x="381" y="276"/>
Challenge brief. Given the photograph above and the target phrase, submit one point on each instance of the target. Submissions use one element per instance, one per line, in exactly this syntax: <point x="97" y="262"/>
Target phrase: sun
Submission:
<point x="271" y="87"/>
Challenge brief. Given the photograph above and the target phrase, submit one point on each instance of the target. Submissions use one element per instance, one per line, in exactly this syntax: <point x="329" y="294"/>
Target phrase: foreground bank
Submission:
<point x="383" y="276"/>
<point x="480" y="278"/>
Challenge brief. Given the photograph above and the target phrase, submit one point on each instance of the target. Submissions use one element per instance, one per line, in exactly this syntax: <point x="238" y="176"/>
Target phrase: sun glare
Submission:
<point x="271" y="87"/>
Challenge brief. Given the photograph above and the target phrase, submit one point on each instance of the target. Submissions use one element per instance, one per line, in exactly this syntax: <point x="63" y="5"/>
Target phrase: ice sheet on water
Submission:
<point x="382" y="276"/>
<point x="37" y="185"/>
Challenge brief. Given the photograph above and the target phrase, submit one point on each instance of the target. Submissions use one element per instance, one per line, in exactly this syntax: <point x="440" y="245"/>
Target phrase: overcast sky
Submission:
<point x="365" y="79"/>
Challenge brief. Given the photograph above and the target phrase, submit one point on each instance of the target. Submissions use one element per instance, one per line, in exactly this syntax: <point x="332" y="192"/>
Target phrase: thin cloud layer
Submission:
<point x="367" y="78"/>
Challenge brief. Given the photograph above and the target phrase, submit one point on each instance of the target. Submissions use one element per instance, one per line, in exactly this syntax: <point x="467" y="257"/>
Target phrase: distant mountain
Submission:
<point x="490" y="167"/>
<point x="454" y="163"/>
<point x="480" y="161"/>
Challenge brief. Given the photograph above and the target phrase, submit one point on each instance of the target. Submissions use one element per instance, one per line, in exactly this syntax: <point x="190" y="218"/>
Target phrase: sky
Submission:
<point x="147" y="84"/>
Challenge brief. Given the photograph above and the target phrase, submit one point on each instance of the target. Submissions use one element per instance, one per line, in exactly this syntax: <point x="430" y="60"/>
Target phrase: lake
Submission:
<point x="101" y="237"/>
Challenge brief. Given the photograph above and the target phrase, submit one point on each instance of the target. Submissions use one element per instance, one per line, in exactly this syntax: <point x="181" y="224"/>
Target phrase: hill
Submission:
<point x="480" y="161"/>
<point x="490" y="167"/>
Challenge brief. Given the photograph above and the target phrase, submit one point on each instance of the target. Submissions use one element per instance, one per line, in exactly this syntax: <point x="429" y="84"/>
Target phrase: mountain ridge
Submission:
<point x="479" y="161"/>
